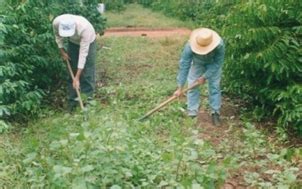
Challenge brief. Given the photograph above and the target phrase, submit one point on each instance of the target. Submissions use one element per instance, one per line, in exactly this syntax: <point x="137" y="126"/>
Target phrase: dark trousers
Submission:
<point x="87" y="79"/>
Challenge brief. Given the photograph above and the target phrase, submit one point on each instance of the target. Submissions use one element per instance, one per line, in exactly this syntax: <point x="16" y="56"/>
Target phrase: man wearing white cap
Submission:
<point x="201" y="60"/>
<point x="81" y="53"/>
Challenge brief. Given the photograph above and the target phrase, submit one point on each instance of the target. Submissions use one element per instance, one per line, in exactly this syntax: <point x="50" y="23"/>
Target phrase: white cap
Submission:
<point x="67" y="26"/>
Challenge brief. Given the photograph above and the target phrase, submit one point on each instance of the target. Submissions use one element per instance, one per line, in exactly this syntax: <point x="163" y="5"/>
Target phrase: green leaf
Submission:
<point x="193" y="154"/>
<point x="196" y="186"/>
<point x="61" y="170"/>
<point x="3" y="126"/>
<point x="87" y="168"/>
<point x="115" y="187"/>
<point x="163" y="184"/>
<point x="79" y="183"/>
<point x="29" y="158"/>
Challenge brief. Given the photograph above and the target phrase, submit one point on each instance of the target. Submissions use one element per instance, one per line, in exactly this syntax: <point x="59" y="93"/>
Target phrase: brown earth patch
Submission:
<point x="147" y="32"/>
<point x="229" y="117"/>
<point x="230" y="132"/>
<point x="216" y="135"/>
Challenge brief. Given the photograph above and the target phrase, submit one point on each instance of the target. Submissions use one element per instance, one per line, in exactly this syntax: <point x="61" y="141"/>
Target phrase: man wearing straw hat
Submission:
<point x="201" y="60"/>
<point x="81" y="53"/>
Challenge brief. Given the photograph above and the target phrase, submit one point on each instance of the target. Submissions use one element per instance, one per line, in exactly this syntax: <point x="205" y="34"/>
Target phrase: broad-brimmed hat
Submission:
<point x="67" y="26"/>
<point x="204" y="40"/>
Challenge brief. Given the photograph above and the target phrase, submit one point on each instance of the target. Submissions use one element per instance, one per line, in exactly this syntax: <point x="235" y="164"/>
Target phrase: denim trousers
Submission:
<point x="87" y="78"/>
<point x="193" y="96"/>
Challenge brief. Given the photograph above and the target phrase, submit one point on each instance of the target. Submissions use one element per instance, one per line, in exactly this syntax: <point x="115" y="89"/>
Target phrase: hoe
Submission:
<point x="77" y="90"/>
<point x="167" y="102"/>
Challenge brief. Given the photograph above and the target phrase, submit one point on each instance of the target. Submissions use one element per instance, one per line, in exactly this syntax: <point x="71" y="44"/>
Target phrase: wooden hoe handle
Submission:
<point x="77" y="90"/>
<point x="167" y="101"/>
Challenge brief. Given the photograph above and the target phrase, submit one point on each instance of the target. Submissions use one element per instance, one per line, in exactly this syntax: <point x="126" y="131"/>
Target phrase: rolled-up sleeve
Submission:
<point x="184" y="65"/>
<point x="217" y="63"/>
<point x="84" y="49"/>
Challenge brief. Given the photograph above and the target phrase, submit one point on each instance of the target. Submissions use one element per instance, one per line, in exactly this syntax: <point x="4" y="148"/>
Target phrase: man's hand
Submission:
<point x="201" y="80"/>
<point x="76" y="83"/>
<point x="64" y="55"/>
<point x="76" y="80"/>
<point x="178" y="92"/>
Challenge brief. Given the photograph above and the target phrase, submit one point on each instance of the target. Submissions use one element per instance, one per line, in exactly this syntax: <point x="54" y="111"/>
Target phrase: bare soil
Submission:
<point x="146" y="32"/>
<point x="229" y="116"/>
<point x="216" y="135"/>
<point x="231" y="126"/>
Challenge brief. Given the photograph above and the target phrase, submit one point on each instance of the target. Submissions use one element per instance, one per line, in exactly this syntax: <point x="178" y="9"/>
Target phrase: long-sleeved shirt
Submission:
<point x="84" y="35"/>
<point x="212" y="62"/>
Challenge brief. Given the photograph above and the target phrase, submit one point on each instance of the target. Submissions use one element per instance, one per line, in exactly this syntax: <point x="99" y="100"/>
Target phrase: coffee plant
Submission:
<point x="30" y="65"/>
<point x="264" y="63"/>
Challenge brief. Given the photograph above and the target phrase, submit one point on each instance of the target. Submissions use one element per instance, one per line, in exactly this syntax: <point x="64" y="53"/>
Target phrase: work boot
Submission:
<point x="192" y="114"/>
<point x="216" y="119"/>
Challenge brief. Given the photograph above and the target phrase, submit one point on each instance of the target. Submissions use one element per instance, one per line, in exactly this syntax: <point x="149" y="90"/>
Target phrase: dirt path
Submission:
<point x="146" y="32"/>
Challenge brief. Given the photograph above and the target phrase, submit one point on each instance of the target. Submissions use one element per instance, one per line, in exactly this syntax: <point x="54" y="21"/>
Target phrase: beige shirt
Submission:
<point x="84" y="35"/>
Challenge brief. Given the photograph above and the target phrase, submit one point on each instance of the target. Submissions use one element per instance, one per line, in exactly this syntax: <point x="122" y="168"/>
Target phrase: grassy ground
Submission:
<point x="1" y="5"/>
<point x="114" y="150"/>
<point x="141" y="18"/>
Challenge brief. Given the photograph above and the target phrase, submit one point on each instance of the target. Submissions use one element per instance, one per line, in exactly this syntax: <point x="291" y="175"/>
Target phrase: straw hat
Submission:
<point x="204" y="40"/>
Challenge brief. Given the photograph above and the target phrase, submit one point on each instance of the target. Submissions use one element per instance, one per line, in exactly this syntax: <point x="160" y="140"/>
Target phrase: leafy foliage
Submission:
<point x="114" y="5"/>
<point x="108" y="154"/>
<point x="29" y="65"/>
<point x="265" y="165"/>
<point x="206" y="13"/>
<point x="265" y="58"/>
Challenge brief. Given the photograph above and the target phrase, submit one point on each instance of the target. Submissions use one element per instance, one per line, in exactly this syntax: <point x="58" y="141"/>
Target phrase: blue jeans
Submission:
<point x="193" y="95"/>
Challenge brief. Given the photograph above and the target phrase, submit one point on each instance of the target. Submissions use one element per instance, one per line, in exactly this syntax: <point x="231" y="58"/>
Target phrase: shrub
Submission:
<point x="114" y="5"/>
<point x="264" y="65"/>
<point x="29" y="67"/>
